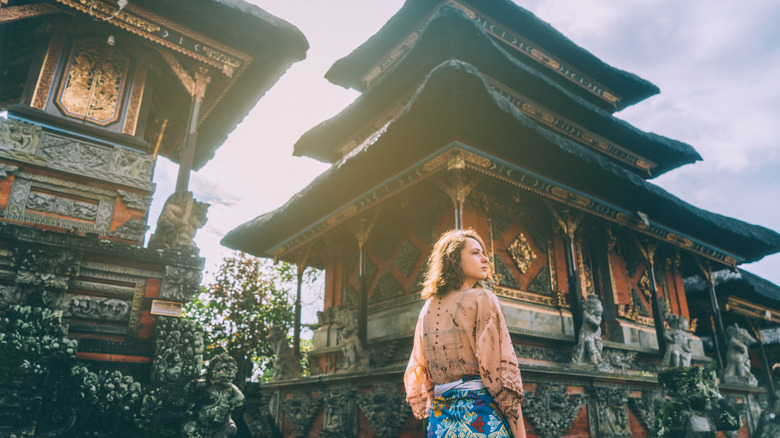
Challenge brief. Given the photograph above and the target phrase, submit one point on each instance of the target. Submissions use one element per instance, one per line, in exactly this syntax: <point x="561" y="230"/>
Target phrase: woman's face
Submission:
<point x="474" y="262"/>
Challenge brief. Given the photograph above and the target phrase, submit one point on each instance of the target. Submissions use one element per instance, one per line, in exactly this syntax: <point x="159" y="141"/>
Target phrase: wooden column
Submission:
<point x="196" y="87"/>
<point x="648" y="252"/>
<point x="767" y="368"/>
<point x="719" y="333"/>
<point x="569" y="223"/>
<point x="362" y="229"/>
<point x="301" y="267"/>
<point x="457" y="187"/>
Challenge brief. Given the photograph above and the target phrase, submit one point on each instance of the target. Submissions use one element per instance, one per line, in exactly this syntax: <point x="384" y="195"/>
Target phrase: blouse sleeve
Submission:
<point x="496" y="356"/>
<point x="419" y="388"/>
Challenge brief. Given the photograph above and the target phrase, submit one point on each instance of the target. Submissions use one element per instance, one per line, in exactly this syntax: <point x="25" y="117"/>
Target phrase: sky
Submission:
<point x="717" y="63"/>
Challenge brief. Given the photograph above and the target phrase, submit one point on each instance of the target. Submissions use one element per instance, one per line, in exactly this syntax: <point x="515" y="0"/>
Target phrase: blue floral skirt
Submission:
<point x="466" y="414"/>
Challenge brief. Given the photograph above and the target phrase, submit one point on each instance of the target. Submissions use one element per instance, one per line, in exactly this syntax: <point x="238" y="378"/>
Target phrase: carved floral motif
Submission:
<point x="132" y="229"/>
<point x="46" y="267"/>
<point x="97" y="308"/>
<point x="178" y="352"/>
<point x="136" y="201"/>
<point x="180" y="283"/>
<point x="647" y="406"/>
<point x="56" y="205"/>
<point x="301" y="409"/>
<point x="386" y="409"/>
<point x="521" y="253"/>
<point x="340" y="413"/>
<point x="551" y="410"/>
<point x="611" y="413"/>
<point x="22" y="136"/>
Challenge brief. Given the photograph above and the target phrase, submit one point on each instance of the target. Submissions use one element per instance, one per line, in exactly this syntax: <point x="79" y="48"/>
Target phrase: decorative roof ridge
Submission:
<point x="414" y="13"/>
<point x="311" y="142"/>
<point x="755" y="233"/>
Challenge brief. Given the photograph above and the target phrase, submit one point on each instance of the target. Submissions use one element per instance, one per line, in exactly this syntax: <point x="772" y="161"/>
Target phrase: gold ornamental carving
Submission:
<point x="94" y="82"/>
<point x="521" y="253"/>
<point x="46" y="76"/>
<point x="13" y="13"/>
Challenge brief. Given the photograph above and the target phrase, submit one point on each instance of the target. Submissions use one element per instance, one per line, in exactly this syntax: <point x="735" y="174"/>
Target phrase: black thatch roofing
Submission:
<point x="273" y="43"/>
<point x="349" y="71"/>
<point x="455" y="103"/>
<point x="741" y="283"/>
<point x="450" y="34"/>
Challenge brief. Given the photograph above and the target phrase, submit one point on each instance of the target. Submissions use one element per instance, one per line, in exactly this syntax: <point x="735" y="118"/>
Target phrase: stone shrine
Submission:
<point x="95" y="92"/>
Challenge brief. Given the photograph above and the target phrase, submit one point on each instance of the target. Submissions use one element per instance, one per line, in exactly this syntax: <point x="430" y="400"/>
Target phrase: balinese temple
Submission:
<point x="95" y="91"/>
<point x="475" y="113"/>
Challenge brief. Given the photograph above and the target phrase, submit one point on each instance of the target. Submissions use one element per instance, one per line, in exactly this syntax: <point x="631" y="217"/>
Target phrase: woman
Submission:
<point x="463" y="370"/>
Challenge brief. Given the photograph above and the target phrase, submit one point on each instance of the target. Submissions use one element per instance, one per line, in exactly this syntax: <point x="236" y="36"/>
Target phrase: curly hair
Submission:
<point x="444" y="269"/>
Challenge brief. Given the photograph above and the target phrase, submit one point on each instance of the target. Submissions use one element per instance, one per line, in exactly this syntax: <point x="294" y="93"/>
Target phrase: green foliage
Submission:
<point x="248" y="296"/>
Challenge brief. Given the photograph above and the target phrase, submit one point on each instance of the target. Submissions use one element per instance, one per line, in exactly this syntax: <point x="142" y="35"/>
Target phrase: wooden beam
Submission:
<point x="16" y="13"/>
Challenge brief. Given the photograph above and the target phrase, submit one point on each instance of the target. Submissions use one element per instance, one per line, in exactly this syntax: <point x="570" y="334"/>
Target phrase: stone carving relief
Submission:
<point x="301" y="409"/>
<point x="182" y="216"/>
<point x="132" y="164"/>
<point x="386" y="287"/>
<point x="389" y="352"/>
<point x="7" y="169"/>
<point x="503" y="275"/>
<point x="678" y="342"/>
<point x="10" y="295"/>
<point x="539" y="353"/>
<point x="257" y="415"/>
<point x="72" y="208"/>
<point x="286" y="365"/>
<point x="75" y="154"/>
<point x="551" y="410"/>
<point x="178" y="352"/>
<point x="696" y="408"/>
<point x="611" y="413"/>
<point x="617" y="360"/>
<point x="22" y="136"/>
<point x="41" y="271"/>
<point x="386" y="409"/>
<point x="340" y="413"/>
<point x="355" y="356"/>
<point x="18" y="198"/>
<point x="180" y="283"/>
<point x="738" y="358"/>
<point x="647" y="406"/>
<point x="132" y="229"/>
<point x="97" y="308"/>
<point x="589" y="343"/>
<point x="34" y="350"/>
<point x="407" y="257"/>
<point x="136" y="201"/>
<point x="212" y="401"/>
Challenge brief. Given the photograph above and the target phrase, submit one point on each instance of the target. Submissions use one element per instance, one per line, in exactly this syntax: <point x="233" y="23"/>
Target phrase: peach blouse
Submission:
<point x="459" y="334"/>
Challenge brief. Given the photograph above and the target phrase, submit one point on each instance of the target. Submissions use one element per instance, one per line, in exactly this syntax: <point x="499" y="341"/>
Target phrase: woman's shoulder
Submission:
<point x="482" y="295"/>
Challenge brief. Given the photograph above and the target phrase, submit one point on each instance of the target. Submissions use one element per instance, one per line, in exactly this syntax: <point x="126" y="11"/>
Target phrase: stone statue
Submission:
<point x="180" y="219"/>
<point x="286" y="365"/>
<point x="590" y="332"/>
<point x="696" y="408"/>
<point x="212" y="401"/>
<point x="678" y="346"/>
<point x="737" y="357"/>
<point x="355" y="356"/>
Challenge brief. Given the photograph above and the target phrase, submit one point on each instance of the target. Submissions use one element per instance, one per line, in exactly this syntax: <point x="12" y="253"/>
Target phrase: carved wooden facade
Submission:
<point x="476" y="114"/>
